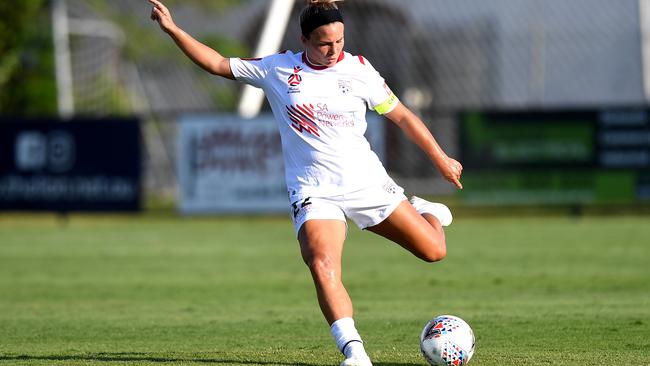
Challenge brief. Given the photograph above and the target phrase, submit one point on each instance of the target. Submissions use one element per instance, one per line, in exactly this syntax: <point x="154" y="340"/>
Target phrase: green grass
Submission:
<point x="151" y="290"/>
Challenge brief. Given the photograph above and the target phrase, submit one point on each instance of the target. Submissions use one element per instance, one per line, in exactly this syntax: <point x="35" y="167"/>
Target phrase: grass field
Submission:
<point x="154" y="290"/>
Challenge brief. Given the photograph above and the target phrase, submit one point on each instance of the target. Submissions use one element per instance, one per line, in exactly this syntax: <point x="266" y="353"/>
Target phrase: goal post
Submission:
<point x="273" y="31"/>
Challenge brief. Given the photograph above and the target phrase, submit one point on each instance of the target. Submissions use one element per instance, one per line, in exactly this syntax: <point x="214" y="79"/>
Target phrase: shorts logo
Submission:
<point x="300" y="208"/>
<point x="294" y="80"/>
<point x="390" y="187"/>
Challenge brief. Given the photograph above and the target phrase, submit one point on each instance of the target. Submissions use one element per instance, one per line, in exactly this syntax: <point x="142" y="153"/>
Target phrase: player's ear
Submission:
<point x="303" y="40"/>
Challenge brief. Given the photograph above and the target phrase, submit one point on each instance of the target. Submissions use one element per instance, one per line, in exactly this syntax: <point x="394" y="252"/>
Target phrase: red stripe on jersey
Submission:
<point x="303" y="119"/>
<point x="304" y="116"/>
<point x="301" y="127"/>
<point x="363" y="62"/>
<point x="309" y="111"/>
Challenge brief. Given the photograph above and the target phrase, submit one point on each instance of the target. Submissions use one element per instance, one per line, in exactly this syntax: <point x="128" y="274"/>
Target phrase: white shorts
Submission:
<point x="366" y="207"/>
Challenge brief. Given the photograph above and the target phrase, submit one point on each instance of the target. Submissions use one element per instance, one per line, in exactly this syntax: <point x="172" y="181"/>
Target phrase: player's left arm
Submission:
<point x="418" y="132"/>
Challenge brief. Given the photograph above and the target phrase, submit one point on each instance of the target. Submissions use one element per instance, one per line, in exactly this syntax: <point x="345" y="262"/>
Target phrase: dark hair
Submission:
<point x="317" y="13"/>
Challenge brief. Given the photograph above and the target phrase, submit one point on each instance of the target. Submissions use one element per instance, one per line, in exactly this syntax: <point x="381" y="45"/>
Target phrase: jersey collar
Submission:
<point x="306" y="61"/>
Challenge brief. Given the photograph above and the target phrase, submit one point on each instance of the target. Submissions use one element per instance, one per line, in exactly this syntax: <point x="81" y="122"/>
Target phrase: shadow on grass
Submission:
<point x="144" y="357"/>
<point x="140" y="357"/>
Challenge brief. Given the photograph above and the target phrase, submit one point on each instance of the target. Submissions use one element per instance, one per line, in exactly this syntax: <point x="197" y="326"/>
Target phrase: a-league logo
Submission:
<point x="295" y="79"/>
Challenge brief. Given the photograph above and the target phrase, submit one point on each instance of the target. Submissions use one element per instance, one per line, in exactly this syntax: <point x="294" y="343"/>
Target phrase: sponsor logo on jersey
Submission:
<point x="303" y="119"/>
<point x="327" y="118"/>
<point x="294" y="80"/>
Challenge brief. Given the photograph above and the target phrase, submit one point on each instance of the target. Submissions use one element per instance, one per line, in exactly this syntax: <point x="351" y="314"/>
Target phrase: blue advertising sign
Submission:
<point x="79" y="165"/>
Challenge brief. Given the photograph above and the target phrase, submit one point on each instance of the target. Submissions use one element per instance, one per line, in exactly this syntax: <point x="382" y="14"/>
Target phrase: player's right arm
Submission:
<point x="202" y="55"/>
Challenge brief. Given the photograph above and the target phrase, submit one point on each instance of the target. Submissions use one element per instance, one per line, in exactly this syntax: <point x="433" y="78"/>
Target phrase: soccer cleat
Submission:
<point x="357" y="361"/>
<point x="440" y="211"/>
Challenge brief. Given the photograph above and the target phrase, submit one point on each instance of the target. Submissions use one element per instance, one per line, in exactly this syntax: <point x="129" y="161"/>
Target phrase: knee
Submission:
<point x="435" y="251"/>
<point x="322" y="267"/>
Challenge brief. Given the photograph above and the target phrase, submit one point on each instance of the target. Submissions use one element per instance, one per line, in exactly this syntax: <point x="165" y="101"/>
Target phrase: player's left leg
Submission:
<point x="420" y="233"/>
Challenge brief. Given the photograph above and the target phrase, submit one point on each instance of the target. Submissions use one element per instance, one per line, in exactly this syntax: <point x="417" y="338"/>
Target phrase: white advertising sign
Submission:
<point x="227" y="164"/>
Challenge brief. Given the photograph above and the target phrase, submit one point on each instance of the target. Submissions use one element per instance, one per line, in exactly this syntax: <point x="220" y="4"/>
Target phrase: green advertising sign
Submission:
<point x="555" y="157"/>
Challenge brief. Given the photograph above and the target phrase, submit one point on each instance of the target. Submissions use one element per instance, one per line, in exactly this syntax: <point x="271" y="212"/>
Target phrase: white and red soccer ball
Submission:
<point x="447" y="340"/>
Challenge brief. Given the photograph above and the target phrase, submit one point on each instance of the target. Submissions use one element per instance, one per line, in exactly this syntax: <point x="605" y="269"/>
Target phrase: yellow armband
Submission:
<point x="388" y="105"/>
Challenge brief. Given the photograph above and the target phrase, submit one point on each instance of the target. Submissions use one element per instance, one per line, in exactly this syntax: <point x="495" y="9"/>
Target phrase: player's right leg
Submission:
<point x="321" y="246"/>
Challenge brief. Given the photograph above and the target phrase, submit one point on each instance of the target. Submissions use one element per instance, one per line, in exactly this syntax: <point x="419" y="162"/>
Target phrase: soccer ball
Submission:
<point x="447" y="340"/>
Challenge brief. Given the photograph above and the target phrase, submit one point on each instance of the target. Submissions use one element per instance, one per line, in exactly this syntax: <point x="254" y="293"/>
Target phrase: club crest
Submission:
<point x="345" y="86"/>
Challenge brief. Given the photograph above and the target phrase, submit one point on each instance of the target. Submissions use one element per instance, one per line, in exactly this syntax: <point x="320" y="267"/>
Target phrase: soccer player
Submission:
<point x="319" y="99"/>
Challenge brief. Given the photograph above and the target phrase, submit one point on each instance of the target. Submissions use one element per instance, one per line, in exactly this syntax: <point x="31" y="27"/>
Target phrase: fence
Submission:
<point x="440" y="57"/>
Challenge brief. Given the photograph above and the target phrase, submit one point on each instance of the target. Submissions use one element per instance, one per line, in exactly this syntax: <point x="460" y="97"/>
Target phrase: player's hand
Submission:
<point x="161" y="14"/>
<point x="451" y="170"/>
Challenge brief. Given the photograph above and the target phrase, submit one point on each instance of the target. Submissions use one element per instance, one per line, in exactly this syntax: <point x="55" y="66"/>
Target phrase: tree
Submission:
<point x="27" y="83"/>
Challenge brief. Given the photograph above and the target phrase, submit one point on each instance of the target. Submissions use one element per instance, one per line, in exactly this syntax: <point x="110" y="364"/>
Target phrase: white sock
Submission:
<point x="347" y="338"/>
<point x="438" y="210"/>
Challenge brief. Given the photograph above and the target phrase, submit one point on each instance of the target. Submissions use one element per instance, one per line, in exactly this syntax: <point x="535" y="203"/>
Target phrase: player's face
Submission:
<point x="325" y="44"/>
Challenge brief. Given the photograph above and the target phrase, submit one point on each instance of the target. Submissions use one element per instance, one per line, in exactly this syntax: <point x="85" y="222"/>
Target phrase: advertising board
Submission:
<point x="227" y="164"/>
<point x="79" y="165"/>
<point x="556" y="157"/>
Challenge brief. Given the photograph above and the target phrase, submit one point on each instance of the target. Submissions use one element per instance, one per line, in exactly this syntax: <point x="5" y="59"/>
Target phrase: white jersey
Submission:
<point x="321" y="112"/>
